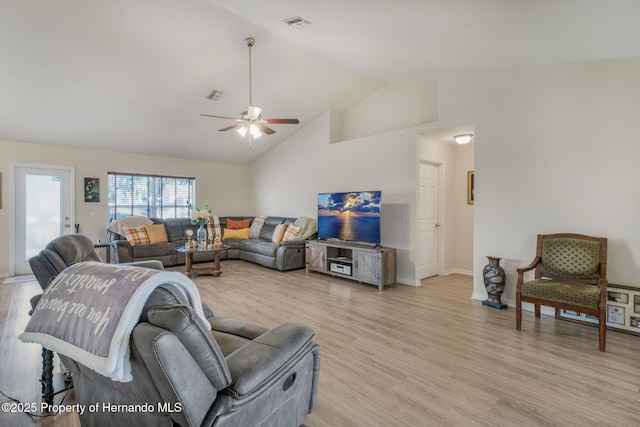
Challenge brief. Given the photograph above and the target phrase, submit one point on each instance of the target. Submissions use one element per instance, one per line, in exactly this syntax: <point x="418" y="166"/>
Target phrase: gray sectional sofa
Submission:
<point x="283" y="256"/>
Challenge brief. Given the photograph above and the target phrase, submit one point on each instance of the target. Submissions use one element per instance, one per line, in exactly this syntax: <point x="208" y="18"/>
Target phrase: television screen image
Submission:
<point x="351" y="216"/>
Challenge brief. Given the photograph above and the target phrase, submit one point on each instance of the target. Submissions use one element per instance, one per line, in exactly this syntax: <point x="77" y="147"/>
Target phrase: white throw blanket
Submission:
<point x="90" y="309"/>
<point x="118" y="225"/>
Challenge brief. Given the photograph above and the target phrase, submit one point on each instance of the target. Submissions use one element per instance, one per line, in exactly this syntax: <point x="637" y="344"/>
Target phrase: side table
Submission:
<point x="107" y="248"/>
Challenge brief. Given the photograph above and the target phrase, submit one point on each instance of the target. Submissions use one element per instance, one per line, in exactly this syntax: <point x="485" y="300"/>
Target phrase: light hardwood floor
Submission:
<point x="425" y="356"/>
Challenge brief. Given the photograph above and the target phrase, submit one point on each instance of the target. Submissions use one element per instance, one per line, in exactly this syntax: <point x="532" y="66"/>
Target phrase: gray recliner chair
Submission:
<point x="188" y="373"/>
<point x="57" y="255"/>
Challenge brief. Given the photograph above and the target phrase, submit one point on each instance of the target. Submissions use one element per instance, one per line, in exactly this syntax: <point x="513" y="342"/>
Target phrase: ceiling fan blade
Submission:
<point x="283" y="121"/>
<point x="220" y="117"/>
<point x="265" y="129"/>
<point x="232" y="127"/>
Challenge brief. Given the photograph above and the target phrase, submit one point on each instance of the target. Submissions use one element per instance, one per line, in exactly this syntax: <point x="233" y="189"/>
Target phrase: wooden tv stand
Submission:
<point x="375" y="265"/>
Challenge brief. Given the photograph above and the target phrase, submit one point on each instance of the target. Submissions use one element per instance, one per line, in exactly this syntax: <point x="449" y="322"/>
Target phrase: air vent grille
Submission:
<point x="296" y="20"/>
<point x="215" y="95"/>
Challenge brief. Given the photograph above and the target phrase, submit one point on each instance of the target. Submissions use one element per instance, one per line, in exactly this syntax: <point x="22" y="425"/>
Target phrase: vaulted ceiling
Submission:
<point x="133" y="75"/>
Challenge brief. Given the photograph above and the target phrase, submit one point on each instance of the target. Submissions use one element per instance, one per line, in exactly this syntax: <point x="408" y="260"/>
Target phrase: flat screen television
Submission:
<point x="353" y="216"/>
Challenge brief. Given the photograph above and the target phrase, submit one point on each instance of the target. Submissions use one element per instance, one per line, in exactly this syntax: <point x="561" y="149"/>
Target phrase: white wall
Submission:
<point x="224" y="184"/>
<point x="462" y="244"/>
<point x="395" y="106"/>
<point x="555" y="151"/>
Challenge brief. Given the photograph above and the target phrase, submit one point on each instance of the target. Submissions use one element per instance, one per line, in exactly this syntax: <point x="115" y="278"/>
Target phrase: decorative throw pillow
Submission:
<point x="238" y="225"/>
<point x="156" y="233"/>
<point x="136" y="235"/>
<point x="236" y="234"/>
<point x="278" y="233"/>
<point x="291" y="233"/>
<point x="256" y="227"/>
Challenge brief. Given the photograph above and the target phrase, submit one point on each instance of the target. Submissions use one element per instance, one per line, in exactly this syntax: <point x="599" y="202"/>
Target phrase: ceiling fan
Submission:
<point x="251" y="123"/>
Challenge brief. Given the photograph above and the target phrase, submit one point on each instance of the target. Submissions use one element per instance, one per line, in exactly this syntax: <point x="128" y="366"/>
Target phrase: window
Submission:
<point x="153" y="196"/>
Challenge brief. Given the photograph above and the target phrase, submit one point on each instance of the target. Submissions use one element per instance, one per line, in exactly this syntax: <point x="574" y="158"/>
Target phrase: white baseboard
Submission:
<point x="478" y="297"/>
<point x="407" y="282"/>
<point x="457" y="271"/>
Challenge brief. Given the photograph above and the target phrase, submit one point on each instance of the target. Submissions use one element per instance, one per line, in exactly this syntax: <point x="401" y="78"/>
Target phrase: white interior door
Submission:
<point x="42" y="209"/>
<point x="428" y="219"/>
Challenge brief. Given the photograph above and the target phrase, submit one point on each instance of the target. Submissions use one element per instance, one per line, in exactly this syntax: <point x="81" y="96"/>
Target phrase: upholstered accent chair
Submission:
<point x="57" y="255"/>
<point x="570" y="273"/>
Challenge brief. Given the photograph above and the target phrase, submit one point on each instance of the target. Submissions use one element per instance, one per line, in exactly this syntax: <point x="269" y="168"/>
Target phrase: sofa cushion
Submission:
<point x="153" y="250"/>
<point x="233" y="243"/>
<point x="261" y="247"/>
<point x="156" y="233"/>
<point x="136" y="235"/>
<point x="269" y="226"/>
<point x="175" y="227"/>
<point x="256" y="227"/>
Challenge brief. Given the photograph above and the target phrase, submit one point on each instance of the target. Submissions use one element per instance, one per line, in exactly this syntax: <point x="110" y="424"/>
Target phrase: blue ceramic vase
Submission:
<point x="494" y="280"/>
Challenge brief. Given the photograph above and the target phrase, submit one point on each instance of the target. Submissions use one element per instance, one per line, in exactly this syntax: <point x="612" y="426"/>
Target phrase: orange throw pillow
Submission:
<point x="238" y="225"/>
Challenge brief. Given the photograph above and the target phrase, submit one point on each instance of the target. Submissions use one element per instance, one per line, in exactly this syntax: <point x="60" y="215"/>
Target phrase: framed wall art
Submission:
<point x="623" y="310"/>
<point x="92" y="190"/>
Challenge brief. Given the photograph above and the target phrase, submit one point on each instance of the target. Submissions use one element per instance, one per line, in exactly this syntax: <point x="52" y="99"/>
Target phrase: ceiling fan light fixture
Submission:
<point x="250" y="124"/>
<point x="464" y="138"/>
<point x="252" y="129"/>
<point x="255" y="131"/>
<point x="253" y="112"/>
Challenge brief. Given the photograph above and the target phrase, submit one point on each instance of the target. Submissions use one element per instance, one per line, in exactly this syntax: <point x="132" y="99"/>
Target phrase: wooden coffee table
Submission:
<point x="213" y="271"/>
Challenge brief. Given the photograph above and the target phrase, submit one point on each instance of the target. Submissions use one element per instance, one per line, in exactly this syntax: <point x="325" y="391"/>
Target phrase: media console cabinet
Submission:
<point x="366" y="264"/>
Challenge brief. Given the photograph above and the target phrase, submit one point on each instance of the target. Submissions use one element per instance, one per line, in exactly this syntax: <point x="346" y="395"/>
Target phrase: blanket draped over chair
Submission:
<point x="89" y="310"/>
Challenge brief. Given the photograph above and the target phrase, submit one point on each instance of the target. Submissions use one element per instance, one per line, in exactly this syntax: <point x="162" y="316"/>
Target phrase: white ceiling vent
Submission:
<point x="297" y="20"/>
<point x="215" y="95"/>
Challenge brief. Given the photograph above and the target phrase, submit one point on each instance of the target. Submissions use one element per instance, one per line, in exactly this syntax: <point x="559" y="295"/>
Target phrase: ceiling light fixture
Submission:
<point x="464" y="138"/>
